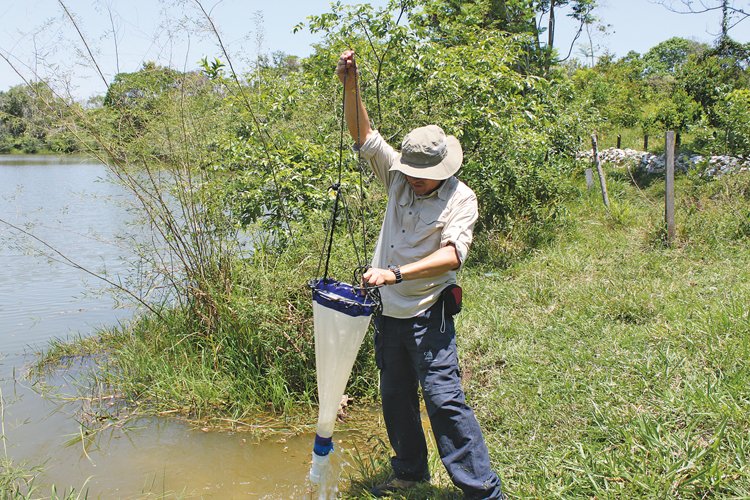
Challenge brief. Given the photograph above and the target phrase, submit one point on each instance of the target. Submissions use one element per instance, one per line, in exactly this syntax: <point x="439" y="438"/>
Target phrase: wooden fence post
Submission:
<point x="669" y="185"/>
<point x="645" y="142"/>
<point x="602" y="180"/>
<point x="589" y="179"/>
<point x="619" y="141"/>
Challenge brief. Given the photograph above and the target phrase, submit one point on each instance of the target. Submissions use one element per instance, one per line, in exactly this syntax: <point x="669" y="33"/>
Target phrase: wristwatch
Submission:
<point x="397" y="272"/>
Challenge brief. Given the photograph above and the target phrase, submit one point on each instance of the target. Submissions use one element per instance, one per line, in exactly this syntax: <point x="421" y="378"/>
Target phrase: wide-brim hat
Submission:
<point x="427" y="153"/>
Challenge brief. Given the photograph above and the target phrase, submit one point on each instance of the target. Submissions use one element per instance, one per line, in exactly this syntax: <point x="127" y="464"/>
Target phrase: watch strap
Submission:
<point x="396" y="270"/>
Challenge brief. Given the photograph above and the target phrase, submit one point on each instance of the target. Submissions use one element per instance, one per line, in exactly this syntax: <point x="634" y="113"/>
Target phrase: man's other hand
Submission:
<point x="378" y="277"/>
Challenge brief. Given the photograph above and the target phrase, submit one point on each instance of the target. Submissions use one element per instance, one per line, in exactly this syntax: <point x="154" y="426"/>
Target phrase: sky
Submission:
<point x="38" y="38"/>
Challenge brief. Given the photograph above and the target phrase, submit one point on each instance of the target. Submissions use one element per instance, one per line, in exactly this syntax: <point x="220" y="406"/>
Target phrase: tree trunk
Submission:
<point x="550" y="38"/>
<point x="551" y="27"/>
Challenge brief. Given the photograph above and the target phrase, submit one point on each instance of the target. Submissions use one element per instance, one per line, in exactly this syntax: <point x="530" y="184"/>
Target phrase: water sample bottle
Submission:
<point x="321" y="465"/>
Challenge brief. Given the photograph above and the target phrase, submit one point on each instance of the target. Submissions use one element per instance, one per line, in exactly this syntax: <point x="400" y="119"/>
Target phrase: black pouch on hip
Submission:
<point x="452" y="297"/>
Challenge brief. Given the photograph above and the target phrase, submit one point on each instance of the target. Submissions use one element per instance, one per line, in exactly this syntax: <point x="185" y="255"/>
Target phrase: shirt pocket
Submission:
<point x="427" y="233"/>
<point x="430" y="220"/>
<point x="431" y="215"/>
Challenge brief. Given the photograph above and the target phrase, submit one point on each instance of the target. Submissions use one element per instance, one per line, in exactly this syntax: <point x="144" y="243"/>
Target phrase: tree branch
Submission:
<point x="256" y="121"/>
<point x="85" y="43"/>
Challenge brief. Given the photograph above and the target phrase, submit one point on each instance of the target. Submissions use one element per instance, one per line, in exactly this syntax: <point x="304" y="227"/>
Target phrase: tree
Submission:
<point x="580" y="10"/>
<point x="670" y="55"/>
<point x="465" y="65"/>
<point x="733" y="118"/>
<point x="527" y="17"/>
<point x="713" y="74"/>
<point x="142" y="88"/>
<point x="732" y="11"/>
<point x="29" y="116"/>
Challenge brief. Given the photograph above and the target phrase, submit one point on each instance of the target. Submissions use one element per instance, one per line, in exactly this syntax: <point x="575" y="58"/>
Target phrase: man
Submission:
<point x="424" y="239"/>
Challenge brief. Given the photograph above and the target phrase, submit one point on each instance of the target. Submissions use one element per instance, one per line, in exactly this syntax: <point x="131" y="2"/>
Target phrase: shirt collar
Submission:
<point x="408" y="197"/>
<point x="445" y="190"/>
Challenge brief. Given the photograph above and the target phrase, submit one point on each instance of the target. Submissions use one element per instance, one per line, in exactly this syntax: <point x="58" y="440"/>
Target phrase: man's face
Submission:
<point x="422" y="187"/>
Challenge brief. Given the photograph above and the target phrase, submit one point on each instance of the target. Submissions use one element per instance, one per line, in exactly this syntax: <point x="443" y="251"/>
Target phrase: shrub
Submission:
<point x="733" y="116"/>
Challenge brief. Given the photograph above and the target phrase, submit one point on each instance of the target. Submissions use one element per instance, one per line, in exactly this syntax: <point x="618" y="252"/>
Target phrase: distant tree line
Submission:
<point x="679" y="84"/>
<point x="29" y="121"/>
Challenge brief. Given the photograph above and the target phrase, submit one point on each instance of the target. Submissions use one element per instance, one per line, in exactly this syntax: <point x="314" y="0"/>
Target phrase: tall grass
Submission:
<point x="610" y="365"/>
<point x="607" y="364"/>
<point x="258" y="359"/>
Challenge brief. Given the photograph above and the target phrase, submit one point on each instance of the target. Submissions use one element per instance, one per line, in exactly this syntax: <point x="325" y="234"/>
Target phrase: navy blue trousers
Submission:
<point x="415" y="352"/>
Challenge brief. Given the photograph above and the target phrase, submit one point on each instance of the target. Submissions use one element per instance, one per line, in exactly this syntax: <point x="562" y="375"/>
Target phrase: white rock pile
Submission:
<point x="655" y="164"/>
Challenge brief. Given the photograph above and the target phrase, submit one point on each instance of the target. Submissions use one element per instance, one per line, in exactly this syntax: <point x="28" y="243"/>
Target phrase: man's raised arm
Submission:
<point x="346" y="70"/>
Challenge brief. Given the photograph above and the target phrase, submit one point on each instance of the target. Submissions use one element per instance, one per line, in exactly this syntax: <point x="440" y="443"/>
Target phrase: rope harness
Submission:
<point x="339" y="204"/>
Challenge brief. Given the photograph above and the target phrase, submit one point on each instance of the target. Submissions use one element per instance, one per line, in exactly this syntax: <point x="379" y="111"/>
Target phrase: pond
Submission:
<point x="69" y="204"/>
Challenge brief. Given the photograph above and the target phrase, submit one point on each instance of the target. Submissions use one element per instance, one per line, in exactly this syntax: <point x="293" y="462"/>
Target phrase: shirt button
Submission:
<point x="409" y="213"/>
<point x="391" y="246"/>
<point x="403" y="230"/>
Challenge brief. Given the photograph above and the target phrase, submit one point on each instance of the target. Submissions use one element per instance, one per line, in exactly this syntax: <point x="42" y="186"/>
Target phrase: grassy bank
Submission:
<point x="608" y="365"/>
<point x="605" y="364"/>
<point x="257" y="363"/>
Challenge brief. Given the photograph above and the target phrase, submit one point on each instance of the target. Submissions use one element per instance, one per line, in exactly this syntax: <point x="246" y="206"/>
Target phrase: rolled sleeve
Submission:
<point x="459" y="226"/>
<point x="380" y="156"/>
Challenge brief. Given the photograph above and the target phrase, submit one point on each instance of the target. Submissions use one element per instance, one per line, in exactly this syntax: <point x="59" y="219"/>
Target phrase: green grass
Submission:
<point x="608" y="364"/>
<point x="257" y="364"/>
<point x="632" y="138"/>
<point x="603" y="364"/>
<point x="611" y="365"/>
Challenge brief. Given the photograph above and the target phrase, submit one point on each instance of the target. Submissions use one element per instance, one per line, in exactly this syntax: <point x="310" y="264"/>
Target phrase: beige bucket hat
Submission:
<point x="427" y="153"/>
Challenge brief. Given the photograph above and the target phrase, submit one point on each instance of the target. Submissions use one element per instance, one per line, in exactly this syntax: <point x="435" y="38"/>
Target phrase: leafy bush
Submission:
<point x="258" y="357"/>
<point x="519" y="133"/>
<point x="733" y="118"/>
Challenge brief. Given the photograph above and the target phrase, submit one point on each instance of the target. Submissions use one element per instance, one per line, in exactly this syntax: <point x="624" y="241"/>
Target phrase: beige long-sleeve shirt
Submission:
<point x="415" y="227"/>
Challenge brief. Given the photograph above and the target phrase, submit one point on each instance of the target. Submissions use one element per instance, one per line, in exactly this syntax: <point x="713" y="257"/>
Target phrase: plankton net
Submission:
<point x="342" y="317"/>
<point x="341" y="314"/>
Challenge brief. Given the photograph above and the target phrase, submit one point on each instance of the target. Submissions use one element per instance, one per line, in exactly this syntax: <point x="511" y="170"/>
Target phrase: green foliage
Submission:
<point x="677" y="85"/>
<point x="519" y="133"/>
<point x="612" y="90"/>
<point x="16" y="481"/>
<point x="31" y="121"/>
<point x="143" y="88"/>
<point x="258" y="358"/>
<point x="441" y="21"/>
<point x="714" y="74"/>
<point x="260" y="153"/>
<point x="213" y="70"/>
<point x="670" y="55"/>
<point x="600" y="364"/>
<point x="603" y="366"/>
<point x="733" y="118"/>
<point x="674" y="111"/>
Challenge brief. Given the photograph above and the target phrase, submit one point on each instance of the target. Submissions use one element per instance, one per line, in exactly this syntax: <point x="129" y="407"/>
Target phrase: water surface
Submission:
<point x="69" y="204"/>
